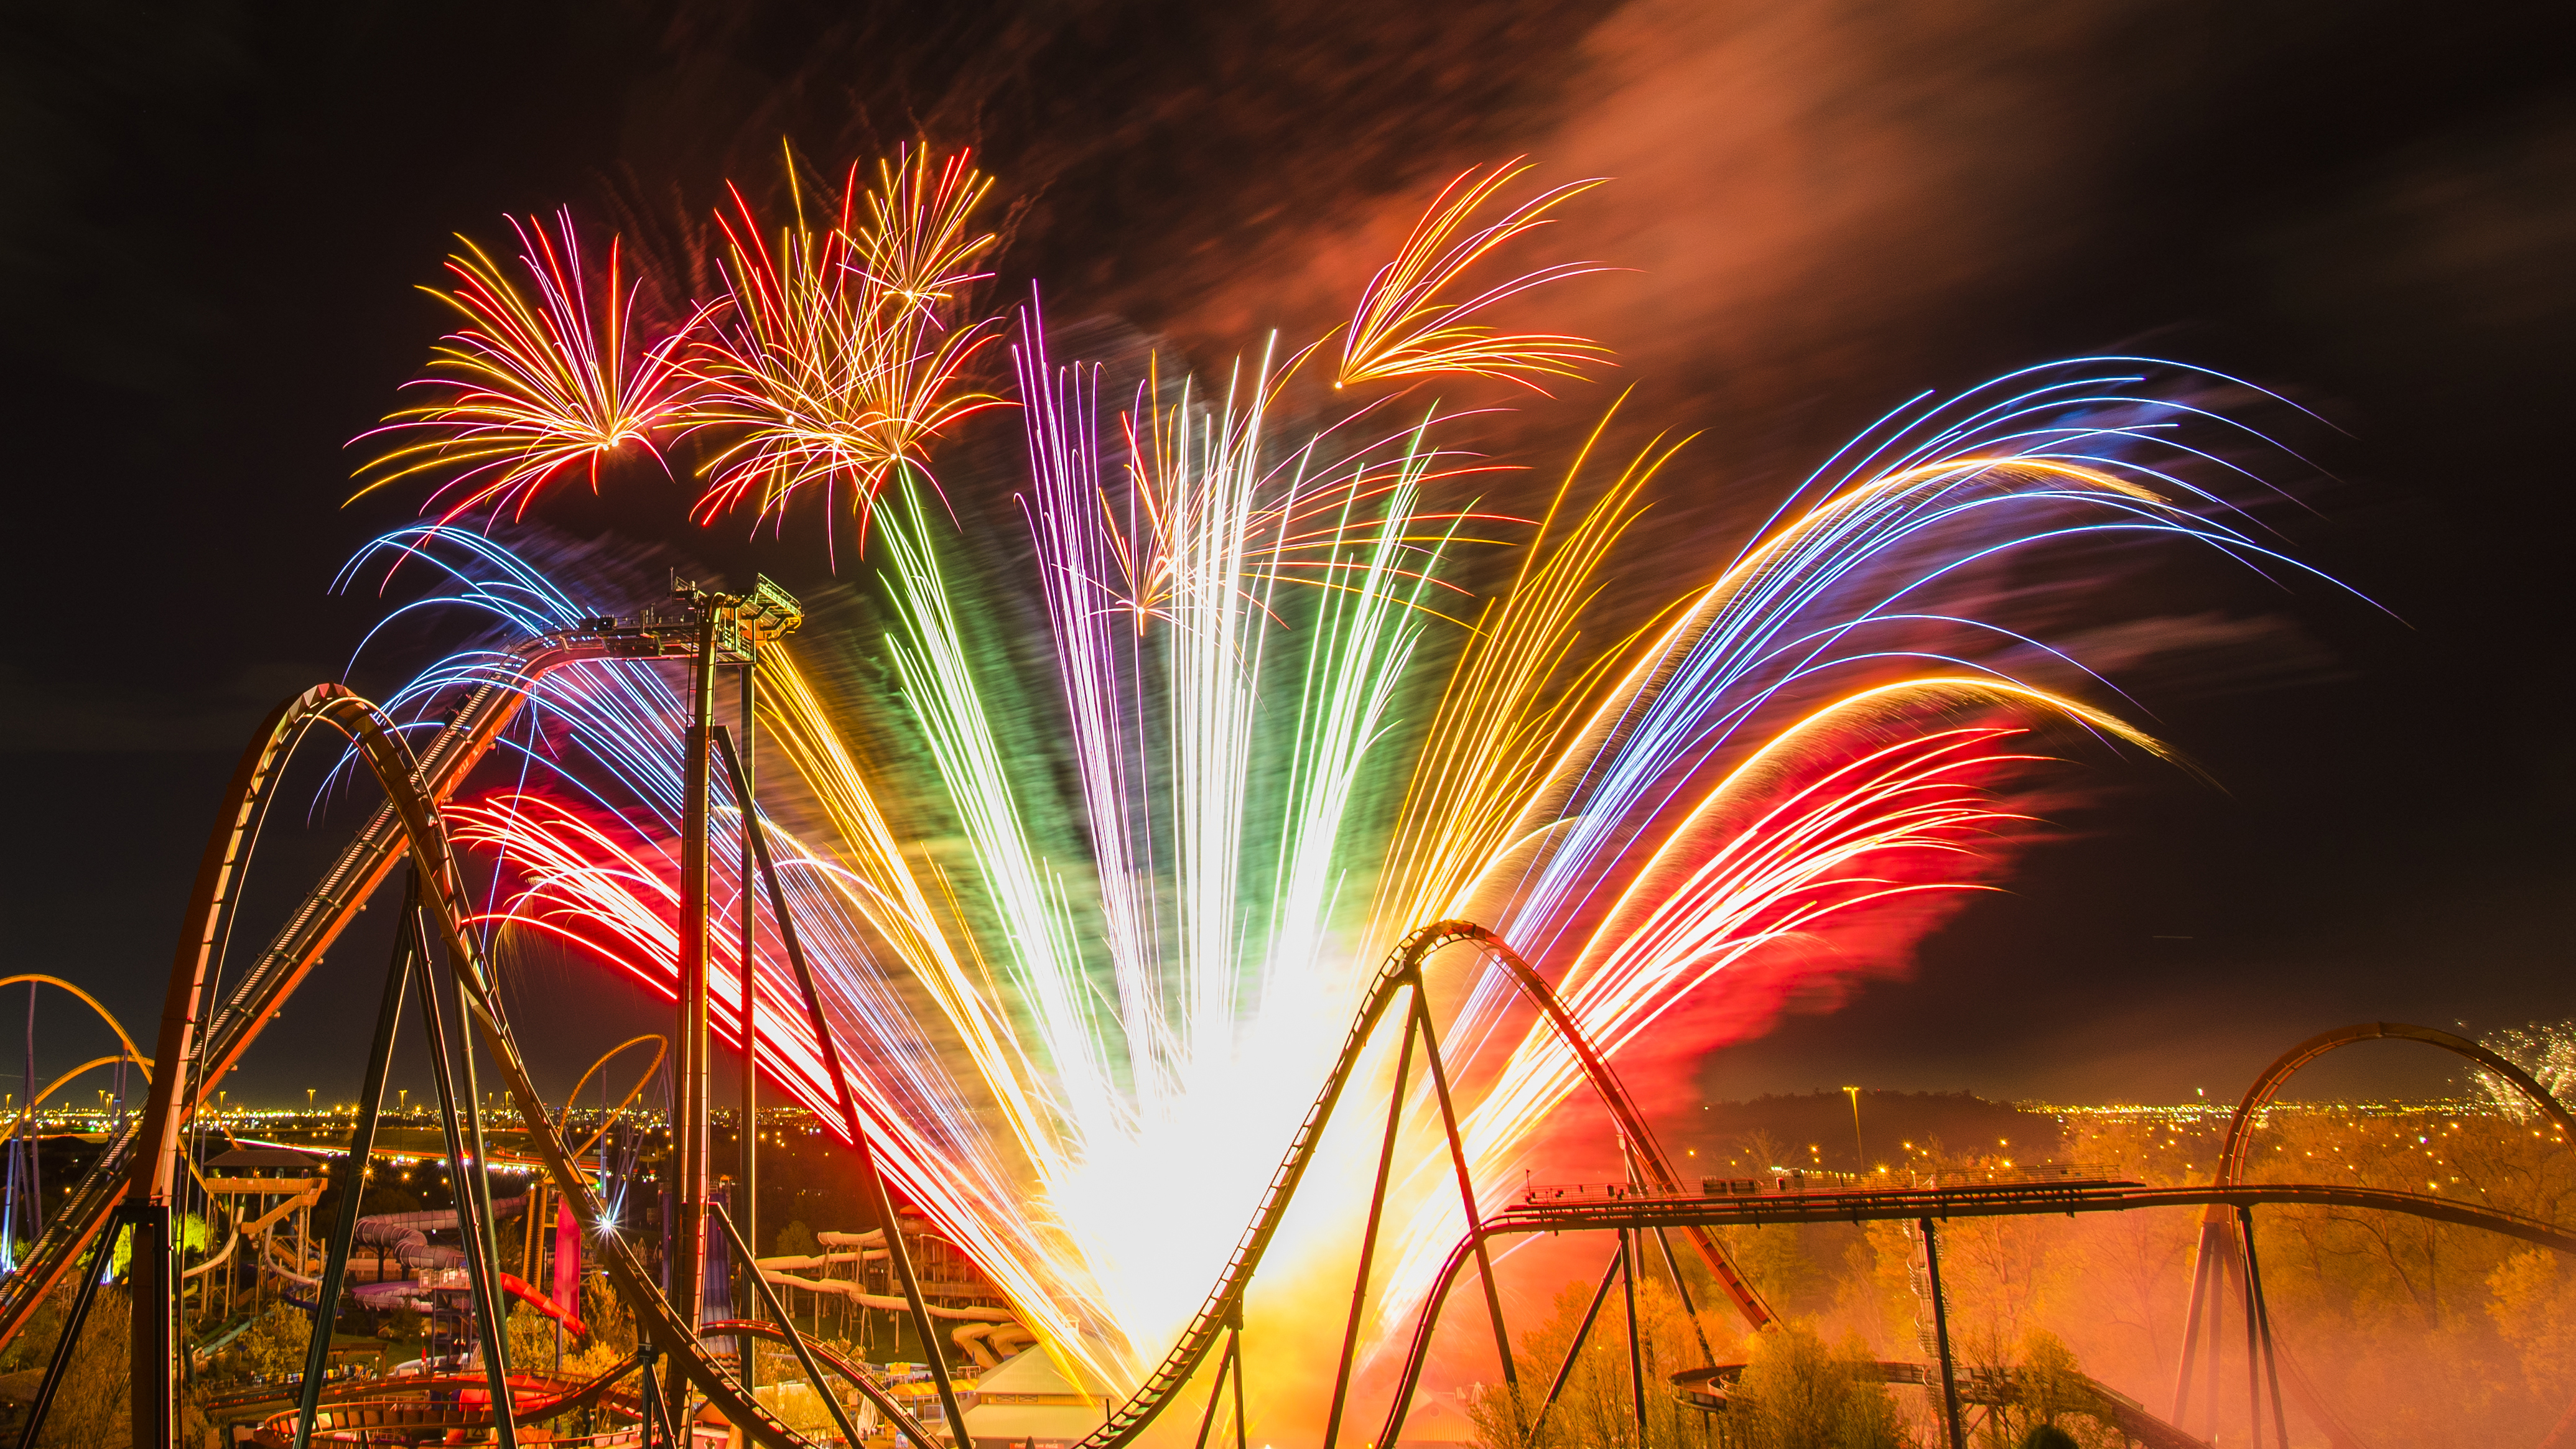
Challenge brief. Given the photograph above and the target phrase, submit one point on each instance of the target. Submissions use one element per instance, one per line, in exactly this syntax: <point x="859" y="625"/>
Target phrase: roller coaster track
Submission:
<point x="201" y="1040"/>
<point x="2222" y="1251"/>
<point x="142" y="1164"/>
<point x="298" y="946"/>
<point x="399" y="1404"/>
<point x="2069" y="1197"/>
<point x="155" y="1155"/>
<point x="1402" y="971"/>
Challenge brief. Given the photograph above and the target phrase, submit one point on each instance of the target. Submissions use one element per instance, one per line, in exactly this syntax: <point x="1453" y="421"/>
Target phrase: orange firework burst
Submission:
<point x="532" y="386"/>
<point x="1407" y="326"/>
<point x="841" y="351"/>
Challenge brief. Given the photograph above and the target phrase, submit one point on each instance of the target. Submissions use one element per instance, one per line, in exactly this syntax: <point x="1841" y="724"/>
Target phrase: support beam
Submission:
<point x="1681" y="1290"/>
<point x="353" y="1188"/>
<point x="1368" y="1235"/>
<point x="1636" y="1355"/>
<point x="1216" y="1394"/>
<point x="1574" y="1350"/>
<point x="478" y="1268"/>
<point x="1466" y="1189"/>
<point x="100" y="1255"/>
<point x="2253" y="1358"/>
<point x="1234" y="1341"/>
<point x="777" y="1312"/>
<point x="747" y="1173"/>
<point x="689" y="1251"/>
<point x="871" y="1182"/>
<point x="2263" y="1319"/>
<point x="2200" y="1293"/>
<point x="1941" y="1337"/>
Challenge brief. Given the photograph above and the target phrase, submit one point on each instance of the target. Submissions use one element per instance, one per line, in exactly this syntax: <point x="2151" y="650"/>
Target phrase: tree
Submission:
<point x="274" y="1345"/>
<point x="529" y="1340"/>
<point x="1597" y="1410"/>
<point x="1798" y="1394"/>
<point x="797" y="1241"/>
<point x="92" y="1406"/>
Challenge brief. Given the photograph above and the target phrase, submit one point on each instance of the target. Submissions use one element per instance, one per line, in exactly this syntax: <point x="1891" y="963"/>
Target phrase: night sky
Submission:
<point x="213" y="220"/>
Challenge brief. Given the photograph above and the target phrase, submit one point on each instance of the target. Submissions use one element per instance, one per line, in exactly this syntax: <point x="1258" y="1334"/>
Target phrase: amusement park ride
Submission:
<point x="213" y="1015"/>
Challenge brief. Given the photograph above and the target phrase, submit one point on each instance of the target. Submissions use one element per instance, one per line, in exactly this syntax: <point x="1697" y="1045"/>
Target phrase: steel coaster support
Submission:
<point x="217" y="1041"/>
<point x="478" y="1267"/>
<point x="1368" y="1235"/>
<point x="1941" y="1337"/>
<point x="471" y="1091"/>
<point x="1242" y="1415"/>
<point x="1466" y="1189"/>
<point x="805" y="1356"/>
<point x="2201" y="1292"/>
<point x="2262" y="1316"/>
<point x="1216" y="1391"/>
<point x="192" y="1053"/>
<point x="154" y="1180"/>
<point x="145" y="1173"/>
<point x="849" y="1373"/>
<point x="1573" y="1351"/>
<point x="648" y="1396"/>
<point x="1636" y="1138"/>
<point x="1636" y="1358"/>
<point x="362" y="1143"/>
<point x="747" y="1173"/>
<point x="2253" y="1355"/>
<point x="688" y="1278"/>
<point x="2217" y="1345"/>
<point x="871" y="1182"/>
<point x="1228" y="1367"/>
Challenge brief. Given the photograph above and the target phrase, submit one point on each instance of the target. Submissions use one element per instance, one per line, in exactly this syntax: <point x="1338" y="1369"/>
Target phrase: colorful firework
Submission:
<point x="1087" y="1021"/>
<point x="838" y="352"/>
<point x="530" y="389"/>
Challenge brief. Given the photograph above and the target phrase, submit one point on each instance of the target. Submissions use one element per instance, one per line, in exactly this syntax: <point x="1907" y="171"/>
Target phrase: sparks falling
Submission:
<point x="1277" y="730"/>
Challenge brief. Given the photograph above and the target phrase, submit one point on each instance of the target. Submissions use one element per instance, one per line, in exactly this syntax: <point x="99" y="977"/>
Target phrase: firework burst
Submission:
<point x="1411" y="321"/>
<point x="839" y="351"/>
<point x="1170" y="855"/>
<point x="534" y="387"/>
